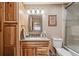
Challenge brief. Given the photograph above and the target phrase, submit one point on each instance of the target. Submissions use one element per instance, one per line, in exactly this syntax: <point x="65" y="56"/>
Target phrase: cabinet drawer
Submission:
<point x="35" y="44"/>
<point x="42" y="51"/>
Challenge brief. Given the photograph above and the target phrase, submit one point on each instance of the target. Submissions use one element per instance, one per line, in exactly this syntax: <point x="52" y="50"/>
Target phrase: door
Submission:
<point x="8" y="25"/>
<point x="1" y="26"/>
<point x="9" y="29"/>
<point x="9" y="39"/>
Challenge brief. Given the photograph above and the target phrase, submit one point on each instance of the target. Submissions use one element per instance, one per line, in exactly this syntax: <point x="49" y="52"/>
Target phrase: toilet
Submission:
<point x="57" y="43"/>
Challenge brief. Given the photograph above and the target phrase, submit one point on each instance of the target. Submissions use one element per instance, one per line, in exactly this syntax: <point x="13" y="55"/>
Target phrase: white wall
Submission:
<point x="22" y="17"/>
<point x="54" y="31"/>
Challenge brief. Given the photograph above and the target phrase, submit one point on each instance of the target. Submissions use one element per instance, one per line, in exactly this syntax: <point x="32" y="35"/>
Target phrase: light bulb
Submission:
<point x="42" y="11"/>
<point x="28" y="11"/>
<point x="33" y="11"/>
<point x="38" y="11"/>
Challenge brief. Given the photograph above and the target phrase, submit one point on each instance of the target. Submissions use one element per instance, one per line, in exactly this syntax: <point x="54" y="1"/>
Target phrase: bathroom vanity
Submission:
<point x="34" y="46"/>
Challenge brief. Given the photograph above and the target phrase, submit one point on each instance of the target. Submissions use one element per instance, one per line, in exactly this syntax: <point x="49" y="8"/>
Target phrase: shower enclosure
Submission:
<point x="72" y="27"/>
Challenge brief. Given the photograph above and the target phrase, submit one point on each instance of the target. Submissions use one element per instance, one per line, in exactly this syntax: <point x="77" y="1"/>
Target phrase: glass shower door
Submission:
<point x="72" y="27"/>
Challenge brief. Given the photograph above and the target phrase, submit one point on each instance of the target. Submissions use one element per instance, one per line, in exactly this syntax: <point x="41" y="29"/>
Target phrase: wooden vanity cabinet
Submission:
<point x="34" y="48"/>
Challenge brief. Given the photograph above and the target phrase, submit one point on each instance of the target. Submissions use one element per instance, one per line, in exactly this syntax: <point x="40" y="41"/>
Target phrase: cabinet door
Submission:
<point x="9" y="37"/>
<point x="9" y="51"/>
<point x="0" y="23"/>
<point x="1" y="26"/>
<point x="10" y="11"/>
<point x="9" y="34"/>
<point x="28" y="52"/>
<point x="42" y="51"/>
<point x="0" y="15"/>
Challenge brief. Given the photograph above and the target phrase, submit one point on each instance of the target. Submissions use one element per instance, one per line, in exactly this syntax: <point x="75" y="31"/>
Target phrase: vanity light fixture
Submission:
<point x="35" y="11"/>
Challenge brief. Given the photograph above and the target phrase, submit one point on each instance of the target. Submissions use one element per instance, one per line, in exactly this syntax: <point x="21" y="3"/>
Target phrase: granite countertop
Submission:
<point x="35" y="39"/>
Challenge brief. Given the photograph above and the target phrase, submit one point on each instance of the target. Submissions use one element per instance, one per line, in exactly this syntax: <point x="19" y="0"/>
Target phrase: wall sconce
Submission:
<point x="35" y="11"/>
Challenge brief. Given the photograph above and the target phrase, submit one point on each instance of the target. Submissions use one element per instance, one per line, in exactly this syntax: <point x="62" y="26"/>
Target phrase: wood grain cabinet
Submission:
<point x="10" y="13"/>
<point x="10" y="25"/>
<point x="34" y="48"/>
<point x="8" y="28"/>
<point x="9" y="39"/>
<point x="1" y="26"/>
<point x="42" y="51"/>
<point x="28" y="51"/>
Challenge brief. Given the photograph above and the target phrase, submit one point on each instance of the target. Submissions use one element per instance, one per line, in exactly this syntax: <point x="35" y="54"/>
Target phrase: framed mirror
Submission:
<point x="35" y="24"/>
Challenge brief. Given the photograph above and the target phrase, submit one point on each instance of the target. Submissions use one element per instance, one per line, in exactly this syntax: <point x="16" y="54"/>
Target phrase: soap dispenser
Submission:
<point x="22" y="34"/>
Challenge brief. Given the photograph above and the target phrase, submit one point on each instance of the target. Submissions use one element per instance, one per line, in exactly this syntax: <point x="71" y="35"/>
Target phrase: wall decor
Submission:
<point x="52" y="20"/>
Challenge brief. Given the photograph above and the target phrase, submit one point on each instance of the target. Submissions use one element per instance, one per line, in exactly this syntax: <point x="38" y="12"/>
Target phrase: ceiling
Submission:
<point x="45" y="3"/>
